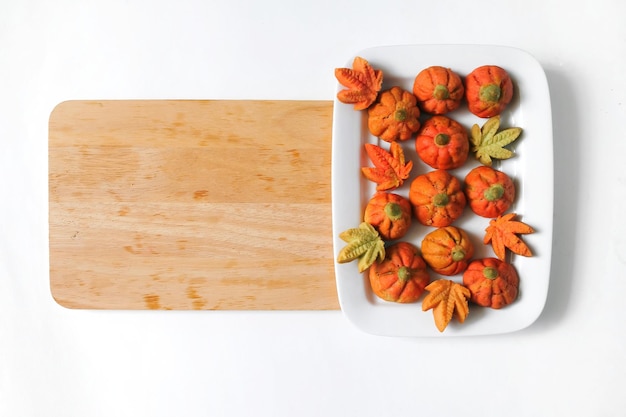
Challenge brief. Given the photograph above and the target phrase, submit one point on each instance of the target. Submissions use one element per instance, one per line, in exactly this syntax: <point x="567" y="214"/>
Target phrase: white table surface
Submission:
<point x="58" y="362"/>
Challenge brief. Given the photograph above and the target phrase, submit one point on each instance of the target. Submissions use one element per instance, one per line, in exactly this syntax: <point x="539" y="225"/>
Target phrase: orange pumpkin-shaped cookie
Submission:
<point x="437" y="198"/>
<point x="492" y="282"/>
<point x="402" y="276"/>
<point x="438" y="90"/>
<point x="442" y="143"/>
<point x="447" y="250"/>
<point x="389" y="214"/>
<point x="488" y="90"/>
<point x="489" y="192"/>
<point x="395" y="116"/>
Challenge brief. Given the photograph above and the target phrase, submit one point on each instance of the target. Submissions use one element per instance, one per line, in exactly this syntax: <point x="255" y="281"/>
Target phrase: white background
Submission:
<point x="58" y="362"/>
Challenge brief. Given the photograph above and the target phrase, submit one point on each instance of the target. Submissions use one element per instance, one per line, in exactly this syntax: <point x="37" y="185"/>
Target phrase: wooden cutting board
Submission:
<point x="180" y="205"/>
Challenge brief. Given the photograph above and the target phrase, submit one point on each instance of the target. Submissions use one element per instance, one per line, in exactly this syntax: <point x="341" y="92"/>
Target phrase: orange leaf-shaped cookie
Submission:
<point x="390" y="169"/>
<point x="362" y="83"/>
<point x="503" y="232"/>
<point x="447" y="299"/>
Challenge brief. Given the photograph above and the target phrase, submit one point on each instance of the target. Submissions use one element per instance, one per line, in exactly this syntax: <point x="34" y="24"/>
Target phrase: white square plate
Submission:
<point x="531" y="169"/>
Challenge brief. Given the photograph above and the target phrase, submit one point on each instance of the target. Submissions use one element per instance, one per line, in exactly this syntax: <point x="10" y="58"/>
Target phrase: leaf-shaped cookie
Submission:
<point x="390" y="169"/>
<point x="447" y="299"/>
<point x="488" y="143"/>
<point x="364" y="244"/>
<point x="362" y="81"/>
<point x="503" y="232"/>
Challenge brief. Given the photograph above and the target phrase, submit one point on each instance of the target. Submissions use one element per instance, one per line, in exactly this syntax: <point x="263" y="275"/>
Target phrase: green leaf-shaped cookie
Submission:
<point x="364" y="244"/>
<point x="488" y="143"/>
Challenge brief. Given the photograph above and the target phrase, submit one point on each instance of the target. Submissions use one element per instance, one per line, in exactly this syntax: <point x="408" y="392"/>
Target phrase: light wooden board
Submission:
<point x="181" y="204"/>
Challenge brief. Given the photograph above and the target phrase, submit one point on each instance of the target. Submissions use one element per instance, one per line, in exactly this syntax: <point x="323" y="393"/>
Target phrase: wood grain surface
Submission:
<point x="181" y="205"/>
